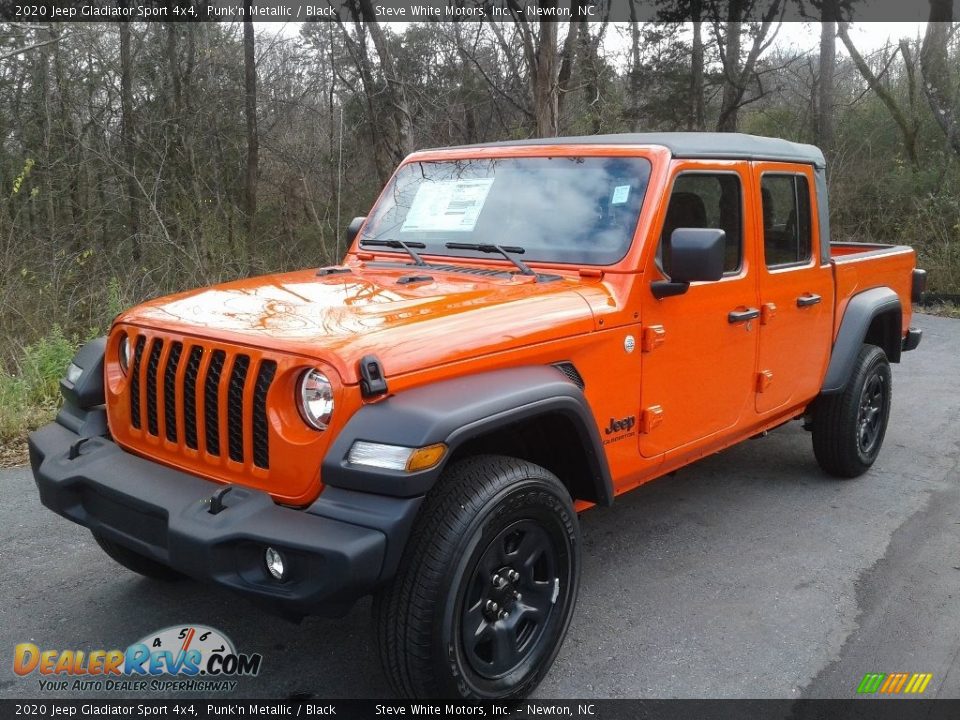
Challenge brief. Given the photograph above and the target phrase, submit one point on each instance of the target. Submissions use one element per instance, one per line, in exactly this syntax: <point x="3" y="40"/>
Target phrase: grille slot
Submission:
<point x="190" y="396"/>
<point x="169" y="391"/>
<point x="238" y="379"/>
<point x="135" y="383"/>
<point x="261" y="437"/>
<point x="211" y="409"/>
<point x="152" y="365"/>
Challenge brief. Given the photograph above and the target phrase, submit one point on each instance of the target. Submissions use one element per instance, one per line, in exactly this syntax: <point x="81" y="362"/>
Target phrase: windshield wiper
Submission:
<point x="400" y="245"/>
<point x="504" y="250"/>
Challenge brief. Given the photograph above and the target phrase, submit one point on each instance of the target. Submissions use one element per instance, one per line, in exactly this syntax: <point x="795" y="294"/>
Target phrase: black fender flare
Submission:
<point x="860" y="313"/>
<point x="455" y="411"/>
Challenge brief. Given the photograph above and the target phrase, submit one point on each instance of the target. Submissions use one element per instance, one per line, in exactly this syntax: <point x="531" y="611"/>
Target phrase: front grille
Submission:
<point x="178" y="389"/>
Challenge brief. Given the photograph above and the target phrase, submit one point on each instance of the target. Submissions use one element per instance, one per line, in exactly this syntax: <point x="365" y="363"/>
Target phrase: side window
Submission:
<point x="786" y="219"/>
<point x="705" y="200"/>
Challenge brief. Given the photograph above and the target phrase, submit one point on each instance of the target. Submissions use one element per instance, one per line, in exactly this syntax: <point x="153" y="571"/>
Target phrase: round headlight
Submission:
<point x="125" y="353"/>
<point x="316" y="399"/>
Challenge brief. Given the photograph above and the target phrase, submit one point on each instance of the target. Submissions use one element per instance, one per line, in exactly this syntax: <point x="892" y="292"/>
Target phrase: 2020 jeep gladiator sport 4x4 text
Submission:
<point x="518" y="331"/>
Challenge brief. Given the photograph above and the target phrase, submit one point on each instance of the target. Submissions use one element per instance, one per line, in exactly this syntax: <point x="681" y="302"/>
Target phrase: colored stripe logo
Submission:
<point x="894" y="683"/>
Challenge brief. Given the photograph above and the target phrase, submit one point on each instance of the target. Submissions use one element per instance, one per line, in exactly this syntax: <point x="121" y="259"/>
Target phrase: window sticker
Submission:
<point x="620" y="194"/>
<point x="448" y="206"/>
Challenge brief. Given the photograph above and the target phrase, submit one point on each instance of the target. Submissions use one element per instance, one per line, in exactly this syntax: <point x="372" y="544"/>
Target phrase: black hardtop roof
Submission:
<point x="696" y="145"/>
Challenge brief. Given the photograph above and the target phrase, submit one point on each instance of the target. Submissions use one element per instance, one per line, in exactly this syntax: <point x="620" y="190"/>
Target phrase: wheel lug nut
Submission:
<point x="503" y="614"/>
<point x="496" y="579"/>
<point x="517" y="596"/>
<point x="514" y="575"/>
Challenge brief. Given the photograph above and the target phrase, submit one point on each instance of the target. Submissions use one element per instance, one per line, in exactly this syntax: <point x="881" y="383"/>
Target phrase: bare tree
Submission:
<point x="906" y="121"/>
<point x="936" y="67"/>
<point x="697" y="119"/>
<point x="253" y="140"/>
<point x="738" y="72"/>
<point x="549" y="68"/>
<point x="127" y="140"/>
<point x="825" y="78"/>
<point x="400" y="109"/>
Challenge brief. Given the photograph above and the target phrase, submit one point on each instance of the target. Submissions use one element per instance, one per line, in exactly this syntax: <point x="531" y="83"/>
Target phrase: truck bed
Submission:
<point x="861" y="266"/>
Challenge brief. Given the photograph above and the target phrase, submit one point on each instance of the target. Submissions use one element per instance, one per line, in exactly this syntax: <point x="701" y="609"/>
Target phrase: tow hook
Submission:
<point x="216" y="500"/>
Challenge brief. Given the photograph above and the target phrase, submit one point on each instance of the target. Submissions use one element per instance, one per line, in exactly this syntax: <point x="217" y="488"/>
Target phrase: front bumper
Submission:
<point x="337" y="550"/>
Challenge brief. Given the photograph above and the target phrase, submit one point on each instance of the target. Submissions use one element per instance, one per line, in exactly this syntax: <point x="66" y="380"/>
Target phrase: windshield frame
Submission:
<point x="657" y="158"/>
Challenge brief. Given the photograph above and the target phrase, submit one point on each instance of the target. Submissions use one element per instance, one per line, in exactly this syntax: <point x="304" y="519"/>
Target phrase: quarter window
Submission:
<point x="786" y="219"/>
<point x="705" y="200"/>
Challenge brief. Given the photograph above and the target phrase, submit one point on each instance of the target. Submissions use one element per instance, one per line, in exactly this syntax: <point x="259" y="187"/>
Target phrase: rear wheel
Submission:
<point x="136" y="562"/>
<point x="487" y="584"/>
<point x="849" y="427"/>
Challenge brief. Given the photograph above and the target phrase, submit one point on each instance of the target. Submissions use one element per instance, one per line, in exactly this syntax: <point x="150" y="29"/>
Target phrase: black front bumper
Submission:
<point x="337" y="550"/>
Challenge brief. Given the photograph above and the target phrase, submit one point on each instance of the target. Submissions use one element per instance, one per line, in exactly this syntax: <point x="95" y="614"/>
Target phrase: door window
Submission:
<point x="786" y="219"/>
<point x="705" y="200"/>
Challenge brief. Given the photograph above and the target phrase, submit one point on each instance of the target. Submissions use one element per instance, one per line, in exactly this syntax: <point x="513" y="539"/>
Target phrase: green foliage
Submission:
<point x="29" y="395"/>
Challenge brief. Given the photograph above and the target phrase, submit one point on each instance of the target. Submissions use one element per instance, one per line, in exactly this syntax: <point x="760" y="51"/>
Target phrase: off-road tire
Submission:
<point x="136" y="562"/>
<point x="484" y="510"/>
<point x="847" y="434"/>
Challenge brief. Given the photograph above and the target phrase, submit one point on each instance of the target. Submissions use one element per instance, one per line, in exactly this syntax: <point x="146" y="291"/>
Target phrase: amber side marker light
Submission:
<point x="396" y="457"/>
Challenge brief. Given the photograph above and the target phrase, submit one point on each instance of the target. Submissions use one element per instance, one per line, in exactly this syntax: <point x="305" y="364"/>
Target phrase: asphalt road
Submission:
<point x="749" y="574"/>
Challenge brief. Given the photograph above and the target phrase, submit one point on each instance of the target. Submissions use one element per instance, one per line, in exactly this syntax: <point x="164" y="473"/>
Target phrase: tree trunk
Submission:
<point x="696" y="120"/>
<point x="173" y="65"/>
<point x="545" y="89"/>
<point x="126" y="140"/>
<point x="400" y="108"/>
<point x="828" y="58"/>
<point x="253" y="141"/>
<point x="636" y="91"/>
<point x="732" y="91"/>
<point x="936" y="70"/>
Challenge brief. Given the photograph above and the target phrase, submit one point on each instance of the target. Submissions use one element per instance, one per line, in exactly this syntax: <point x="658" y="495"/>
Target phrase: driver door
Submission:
<point x="699" y="348"/>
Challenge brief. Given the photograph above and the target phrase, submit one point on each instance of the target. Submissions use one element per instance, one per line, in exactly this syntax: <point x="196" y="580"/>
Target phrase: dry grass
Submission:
<point x="943" y="309"/>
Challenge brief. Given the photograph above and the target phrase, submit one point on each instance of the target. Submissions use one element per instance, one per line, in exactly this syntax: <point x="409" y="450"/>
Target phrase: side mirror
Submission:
<point x="696" y="255"/>
<point x="354" y="227"/>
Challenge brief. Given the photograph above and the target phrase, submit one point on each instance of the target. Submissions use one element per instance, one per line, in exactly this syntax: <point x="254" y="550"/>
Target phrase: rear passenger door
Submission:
<point x="796" y="290"/>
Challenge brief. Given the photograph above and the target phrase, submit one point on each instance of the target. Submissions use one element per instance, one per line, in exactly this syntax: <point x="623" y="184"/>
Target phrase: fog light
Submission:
<point x="274" y="562"/>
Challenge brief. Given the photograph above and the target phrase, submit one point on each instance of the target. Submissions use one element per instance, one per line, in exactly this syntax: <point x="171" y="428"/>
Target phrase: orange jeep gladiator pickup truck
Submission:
<point x="517" y="332"/>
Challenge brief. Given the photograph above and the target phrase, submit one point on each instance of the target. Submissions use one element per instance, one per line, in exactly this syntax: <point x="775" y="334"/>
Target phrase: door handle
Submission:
<point x="739" y="316"/>
<point x="808" y="299"/>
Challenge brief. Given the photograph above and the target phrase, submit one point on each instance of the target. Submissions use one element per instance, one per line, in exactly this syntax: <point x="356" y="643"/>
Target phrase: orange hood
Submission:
<point x="340" y="318"/>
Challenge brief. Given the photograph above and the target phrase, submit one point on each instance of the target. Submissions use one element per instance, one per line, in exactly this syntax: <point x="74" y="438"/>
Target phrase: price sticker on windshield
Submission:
<point x="620" y="195"/>
<point x="447" y="206"/>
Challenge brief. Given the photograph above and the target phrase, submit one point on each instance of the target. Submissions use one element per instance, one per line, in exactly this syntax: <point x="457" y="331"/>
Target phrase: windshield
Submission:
<point x="579" y="210"/>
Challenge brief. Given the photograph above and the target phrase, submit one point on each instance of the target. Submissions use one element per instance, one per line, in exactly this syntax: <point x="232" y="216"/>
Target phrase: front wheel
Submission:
<point x="487" y="584"/>
<point x="848" y="428"/>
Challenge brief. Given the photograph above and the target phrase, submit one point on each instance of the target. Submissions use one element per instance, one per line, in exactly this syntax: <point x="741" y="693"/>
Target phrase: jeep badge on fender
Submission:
<point x="623" y="425"/>
<point x="423" y="422"/>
